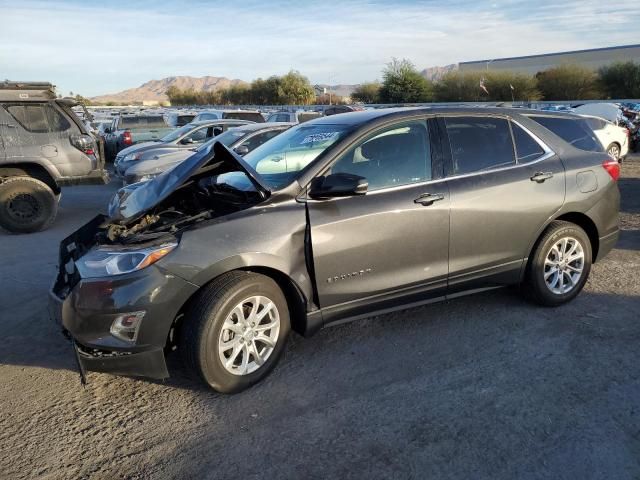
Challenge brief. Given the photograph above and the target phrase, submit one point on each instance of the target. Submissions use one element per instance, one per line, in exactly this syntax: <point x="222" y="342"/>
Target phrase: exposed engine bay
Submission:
<point x="196" y="201"/>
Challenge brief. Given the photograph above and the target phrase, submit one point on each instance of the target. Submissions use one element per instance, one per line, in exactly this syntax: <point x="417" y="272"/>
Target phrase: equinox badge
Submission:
<point x="346" y="276"/>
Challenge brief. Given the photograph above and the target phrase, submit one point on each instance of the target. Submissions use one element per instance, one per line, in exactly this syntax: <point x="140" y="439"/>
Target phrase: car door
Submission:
<point x="504" y="185"/>
<point x="390" y="245"/>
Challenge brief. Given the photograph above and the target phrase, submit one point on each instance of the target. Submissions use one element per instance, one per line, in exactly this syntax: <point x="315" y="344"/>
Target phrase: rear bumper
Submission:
<point x="606" y="244"/>
<point x="96" y="177"/>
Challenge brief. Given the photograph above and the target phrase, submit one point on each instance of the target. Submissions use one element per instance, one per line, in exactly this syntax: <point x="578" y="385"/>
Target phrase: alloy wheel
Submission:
<point x="249" y="335"/>
<point x="614" y="152"/>
<point x="563" y="265"/>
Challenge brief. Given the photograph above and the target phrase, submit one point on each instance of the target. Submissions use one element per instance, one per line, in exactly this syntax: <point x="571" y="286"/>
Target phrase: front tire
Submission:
<point x="26" y="205"/>
<point x="236" y="331"/>
<point x="559" y="265"/>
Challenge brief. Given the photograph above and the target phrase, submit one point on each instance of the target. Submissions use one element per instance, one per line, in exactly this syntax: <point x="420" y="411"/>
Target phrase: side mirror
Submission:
<point x="338" y="185"/>
<point x="241" y="150"/>
<point x="186" y="141"/>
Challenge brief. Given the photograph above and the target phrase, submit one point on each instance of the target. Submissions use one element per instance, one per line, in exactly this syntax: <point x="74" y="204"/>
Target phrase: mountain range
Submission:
<point x="154" y="90"/>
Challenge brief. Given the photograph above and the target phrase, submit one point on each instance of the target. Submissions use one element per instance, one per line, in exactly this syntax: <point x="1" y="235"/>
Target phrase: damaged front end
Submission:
<point x="109" y="295"/>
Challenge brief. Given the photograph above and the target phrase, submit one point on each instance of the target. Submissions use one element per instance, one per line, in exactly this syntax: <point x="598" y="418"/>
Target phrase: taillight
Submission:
<point x="126" y="138"/>
<point x="612" y="167"/>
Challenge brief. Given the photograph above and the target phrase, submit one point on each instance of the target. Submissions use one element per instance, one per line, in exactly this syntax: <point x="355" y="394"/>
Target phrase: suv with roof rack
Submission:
<point x="43" y="146"/>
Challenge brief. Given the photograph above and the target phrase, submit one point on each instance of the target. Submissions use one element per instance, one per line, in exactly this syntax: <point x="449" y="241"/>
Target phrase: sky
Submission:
<point x="94" y="48"/>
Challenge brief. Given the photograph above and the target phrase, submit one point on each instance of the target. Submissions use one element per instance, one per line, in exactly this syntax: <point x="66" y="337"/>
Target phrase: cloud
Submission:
<point x="98" y="49"/>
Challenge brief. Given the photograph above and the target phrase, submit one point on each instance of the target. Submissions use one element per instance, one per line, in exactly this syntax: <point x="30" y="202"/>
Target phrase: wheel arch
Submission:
<point x="577" y="218"/>
<point x="296" y="299"/>
<point x="30" y="169"/>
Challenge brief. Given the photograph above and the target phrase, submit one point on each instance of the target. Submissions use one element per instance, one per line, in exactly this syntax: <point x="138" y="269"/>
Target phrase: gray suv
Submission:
<point x="43" y="146"/>
<point x="335" y="219"/>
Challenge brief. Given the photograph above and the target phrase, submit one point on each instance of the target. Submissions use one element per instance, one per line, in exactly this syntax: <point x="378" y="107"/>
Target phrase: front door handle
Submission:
<point x="540" y="177"/>
<point x="427" y="199"/>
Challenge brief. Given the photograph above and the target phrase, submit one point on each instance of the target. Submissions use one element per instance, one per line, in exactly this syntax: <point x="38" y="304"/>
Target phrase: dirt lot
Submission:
<point x="482" y="387"/>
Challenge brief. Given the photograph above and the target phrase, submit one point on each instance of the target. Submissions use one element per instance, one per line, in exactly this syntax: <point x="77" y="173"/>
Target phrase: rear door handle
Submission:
<point x="427" y="199"/>
<point x="541" y="176"/>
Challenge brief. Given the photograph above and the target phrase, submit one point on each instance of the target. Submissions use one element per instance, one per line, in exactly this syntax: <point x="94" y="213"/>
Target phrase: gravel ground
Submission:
<point x="482" y="387"/>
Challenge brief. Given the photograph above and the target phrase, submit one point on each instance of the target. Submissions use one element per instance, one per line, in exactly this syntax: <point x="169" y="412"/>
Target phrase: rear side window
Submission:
<point x="479" y="143"/>
<point x="573" y="131"/>
<point x="527" y="149"/>
<point x="252" y="116"/>
<point x="42" y="118"/>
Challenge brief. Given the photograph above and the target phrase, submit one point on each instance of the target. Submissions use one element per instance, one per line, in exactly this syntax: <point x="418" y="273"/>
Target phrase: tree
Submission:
<point x="368" y="92"/>
<point x="82" y="100"/>
<point x="464" y="86"/>
<point x="568" y="82"/>
<point x="402" y="83"/>
<point x="295" y="89"/>
<point x="620" y="80"/>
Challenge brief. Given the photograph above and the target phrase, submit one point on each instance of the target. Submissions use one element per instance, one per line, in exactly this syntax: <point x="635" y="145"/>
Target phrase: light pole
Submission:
<point x="488" y="62"/>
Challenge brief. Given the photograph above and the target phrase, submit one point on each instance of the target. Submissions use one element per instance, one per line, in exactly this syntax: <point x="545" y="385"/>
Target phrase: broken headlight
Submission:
<point x="105" y="261"/>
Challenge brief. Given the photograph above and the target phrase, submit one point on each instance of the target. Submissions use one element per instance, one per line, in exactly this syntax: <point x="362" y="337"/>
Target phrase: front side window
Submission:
<point x="398" y="155"/>
<point x="257" y="140"/>
<point x="42" y="118"/>
<point x="199" y="135"/>
<point x="479" y="143"/>
<point x="527" y="149"/>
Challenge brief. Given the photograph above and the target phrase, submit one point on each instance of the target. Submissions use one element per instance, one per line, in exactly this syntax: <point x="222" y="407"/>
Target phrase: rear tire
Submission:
<point x="226" y="341"/>
<point x="26" y="205"/>
<point x="614" y="151"/>
<point x="559" y="265"/>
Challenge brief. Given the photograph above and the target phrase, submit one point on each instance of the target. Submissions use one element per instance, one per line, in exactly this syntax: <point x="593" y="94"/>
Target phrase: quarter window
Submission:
<point x="572" y="130"/>
<point x="41" y="118"/>
<point x="398" y="155"/>
<point x="479" y="143"/>
<point x="527" y="149"/>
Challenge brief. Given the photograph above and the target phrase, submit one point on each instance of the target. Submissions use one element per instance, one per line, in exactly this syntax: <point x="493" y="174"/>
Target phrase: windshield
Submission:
<point x="176" y="134"/>
<point x="280" y="160"/>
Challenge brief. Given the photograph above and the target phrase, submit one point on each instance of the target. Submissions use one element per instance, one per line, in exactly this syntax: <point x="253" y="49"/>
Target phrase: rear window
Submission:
<point x="479" y="143"/>
<point x="251" y="116"/>
<point x="305" y="117"/>
<point x="41" y="118"/>
<point x="571" y="130"/>
<point x="143" y="122"/>
<point x="595" y="123"/>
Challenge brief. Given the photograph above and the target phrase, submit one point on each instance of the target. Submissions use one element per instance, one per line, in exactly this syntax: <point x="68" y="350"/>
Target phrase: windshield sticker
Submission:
<point x="318" y="137"/>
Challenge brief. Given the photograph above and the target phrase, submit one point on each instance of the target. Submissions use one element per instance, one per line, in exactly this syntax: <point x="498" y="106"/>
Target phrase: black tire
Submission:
<point x="26" y="205"/>
<point x="614" y="150"/>
<point x="205" y="318"/>
<point x="534" y="286"/>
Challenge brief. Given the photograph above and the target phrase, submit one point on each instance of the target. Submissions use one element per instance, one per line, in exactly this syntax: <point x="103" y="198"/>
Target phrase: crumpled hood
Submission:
<point x="133" y="201"/>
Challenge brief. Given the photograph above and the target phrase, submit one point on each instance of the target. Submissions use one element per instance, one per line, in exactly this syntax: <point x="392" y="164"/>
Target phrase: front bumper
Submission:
<point x="85" y="309"/>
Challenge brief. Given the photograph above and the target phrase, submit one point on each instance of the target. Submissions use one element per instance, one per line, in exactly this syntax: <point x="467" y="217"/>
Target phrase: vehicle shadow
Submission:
<point x="472" y="320"/>
<point x="403" y="391"/>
